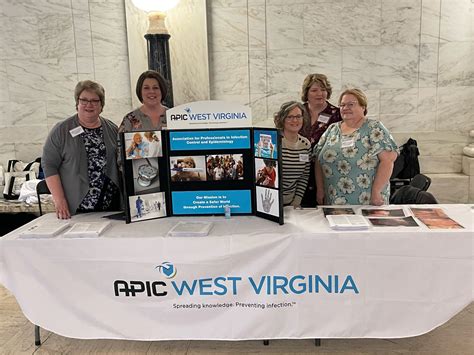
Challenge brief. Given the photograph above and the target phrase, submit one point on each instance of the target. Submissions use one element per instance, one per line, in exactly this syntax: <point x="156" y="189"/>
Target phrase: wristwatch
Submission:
<point x="146" y="174"/>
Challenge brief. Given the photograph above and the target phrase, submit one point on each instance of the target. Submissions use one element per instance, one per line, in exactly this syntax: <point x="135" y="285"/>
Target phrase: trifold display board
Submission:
<point x="232" y="171"/>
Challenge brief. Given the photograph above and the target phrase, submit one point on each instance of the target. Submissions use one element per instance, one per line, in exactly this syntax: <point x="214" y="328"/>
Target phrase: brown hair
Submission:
<point x="320" y="79"/>
<point x="89" y="85"/>
<point x="151" y="74"/>
<point x="360" y="96"/>
<point x="279" y="117"/>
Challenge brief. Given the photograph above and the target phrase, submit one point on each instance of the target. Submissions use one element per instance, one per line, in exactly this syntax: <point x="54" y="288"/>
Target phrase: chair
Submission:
<point x="421" y="181"/>
<point x="41" y="189"/>
<point x="409" y="195"/>
<point x="425" y="198"/>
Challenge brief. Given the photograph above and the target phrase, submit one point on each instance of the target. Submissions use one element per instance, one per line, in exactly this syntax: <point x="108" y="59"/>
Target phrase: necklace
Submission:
<point x="89" y="125"/>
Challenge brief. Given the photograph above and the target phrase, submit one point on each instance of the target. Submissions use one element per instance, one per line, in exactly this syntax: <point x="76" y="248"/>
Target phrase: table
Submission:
<point x="249" y="279"/>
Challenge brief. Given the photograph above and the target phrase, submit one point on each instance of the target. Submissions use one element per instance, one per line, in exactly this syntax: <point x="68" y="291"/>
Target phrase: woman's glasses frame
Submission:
<point x="85" y="102"/>
<point x="294" y="117"/>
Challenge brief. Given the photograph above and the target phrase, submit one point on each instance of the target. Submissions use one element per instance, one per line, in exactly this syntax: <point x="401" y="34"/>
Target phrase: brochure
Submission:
<point x="190" y="229"/>
<point x="383" y="212"/>
<point x="87" y="229"/>
<point x="337" y="210"/>
<point x="394" y="222"/>
<point x="435" y="218"/>
<point x="45" y="230"/>
<point x="347" y="222"/>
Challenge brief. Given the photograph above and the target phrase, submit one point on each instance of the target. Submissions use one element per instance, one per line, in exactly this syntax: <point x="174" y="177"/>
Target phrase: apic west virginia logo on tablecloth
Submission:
<point x="270" y="285"/>
<point x="167" y="269"/>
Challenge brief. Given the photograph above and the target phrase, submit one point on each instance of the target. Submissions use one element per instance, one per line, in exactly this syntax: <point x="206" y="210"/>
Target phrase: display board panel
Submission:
<point x="267" y="170"/>
<point x="145" y="175"/>
<point x="202" y="172"/>
<point x="210" y="170"/>
<point x="211" y="202"/>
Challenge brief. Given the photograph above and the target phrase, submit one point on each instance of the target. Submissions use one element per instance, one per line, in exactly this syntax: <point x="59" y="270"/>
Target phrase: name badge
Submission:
<point x="76" y="131"/>
<point x="323" y="118"/>
<point x="304" y="158"/>
<point x="347" y="142"/>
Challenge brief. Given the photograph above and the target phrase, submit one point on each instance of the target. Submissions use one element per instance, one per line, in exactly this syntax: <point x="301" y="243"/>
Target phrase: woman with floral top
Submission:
<point x="354" y="158"/>
<point x="151" y="90"/>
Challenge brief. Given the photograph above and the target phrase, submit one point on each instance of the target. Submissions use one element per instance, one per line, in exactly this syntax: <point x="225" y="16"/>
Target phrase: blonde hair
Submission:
<point x="150" y="135"/>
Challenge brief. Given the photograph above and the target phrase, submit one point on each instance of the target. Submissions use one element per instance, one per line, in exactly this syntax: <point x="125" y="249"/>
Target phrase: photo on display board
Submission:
<point x="145" y="175"/>
<point x="266" y="172"/>
<point x="267" y="201"/>
<point x="265" y="144"/>
<point x="140" y="145"/>
<point x="188" y="168"/>
<point x="222" y="167"/>
<point x="149" y="206"/>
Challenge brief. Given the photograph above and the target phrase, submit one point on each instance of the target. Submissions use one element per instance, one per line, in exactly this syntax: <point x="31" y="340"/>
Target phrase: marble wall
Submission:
<point x="46" y="47"/>
<point x="412" y="57"/>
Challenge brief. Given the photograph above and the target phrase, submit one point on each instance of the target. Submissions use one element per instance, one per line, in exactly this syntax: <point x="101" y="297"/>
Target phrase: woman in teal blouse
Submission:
<point x="354" y="158"/>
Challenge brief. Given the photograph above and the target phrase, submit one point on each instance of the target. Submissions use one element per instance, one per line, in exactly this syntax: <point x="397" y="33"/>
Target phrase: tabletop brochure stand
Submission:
<point x="191" y="172"/>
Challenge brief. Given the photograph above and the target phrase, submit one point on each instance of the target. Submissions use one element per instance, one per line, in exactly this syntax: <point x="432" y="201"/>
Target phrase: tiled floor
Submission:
<point x="16" y="337"/>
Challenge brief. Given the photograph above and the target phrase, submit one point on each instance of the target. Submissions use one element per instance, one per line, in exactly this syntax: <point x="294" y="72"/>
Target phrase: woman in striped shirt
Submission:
<point x="295" y="151"/>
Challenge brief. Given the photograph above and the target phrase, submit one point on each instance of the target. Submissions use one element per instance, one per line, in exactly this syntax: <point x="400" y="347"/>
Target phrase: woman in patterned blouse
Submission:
<point x="354" y="158"/>
<point x="79" y="157"/>
<point x="151" y="90"/>
<point x="315" y="93"/>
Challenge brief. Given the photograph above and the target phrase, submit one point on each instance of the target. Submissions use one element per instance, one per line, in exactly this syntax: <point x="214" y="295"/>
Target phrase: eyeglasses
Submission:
<point x="93" y="102"/>
<point x="295" y="117"/>
<point x="349" y="105"/>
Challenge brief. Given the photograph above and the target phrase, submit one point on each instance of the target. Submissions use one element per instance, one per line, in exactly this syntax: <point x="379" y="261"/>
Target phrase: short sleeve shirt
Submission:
<point x="349" y="162"/>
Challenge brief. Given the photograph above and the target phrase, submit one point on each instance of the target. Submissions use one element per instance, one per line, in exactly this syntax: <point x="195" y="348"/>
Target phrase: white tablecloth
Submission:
<point x="249" y="279"/>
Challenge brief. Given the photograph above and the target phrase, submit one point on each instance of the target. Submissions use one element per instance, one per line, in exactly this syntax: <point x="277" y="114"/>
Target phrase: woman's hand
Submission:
<point x="382" y="177"/>
<point x="62" y="208"/>
<point x="320" y="196"/>
<point x="296" y="204"/>
<point x="318" y="172"/>
<point x="59" y="199"/>
<point x="376" y="199"/>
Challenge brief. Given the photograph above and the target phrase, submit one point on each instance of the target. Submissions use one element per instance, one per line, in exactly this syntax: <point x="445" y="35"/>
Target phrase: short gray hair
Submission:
<point x="90" y="85"/>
